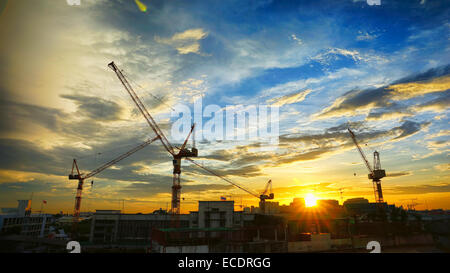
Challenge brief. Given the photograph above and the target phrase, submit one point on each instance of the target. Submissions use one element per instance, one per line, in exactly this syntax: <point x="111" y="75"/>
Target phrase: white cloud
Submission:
<point x="185" y="42"/>
<point x="293" y="86"/>
<point x="365" y="36"/>
<point x="331" y="54"/>
<point x="298" y="40"/>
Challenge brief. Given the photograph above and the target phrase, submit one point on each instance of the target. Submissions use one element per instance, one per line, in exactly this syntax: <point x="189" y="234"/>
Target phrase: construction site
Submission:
<point x="239" y="126"/>
<point x="216" y="227"/>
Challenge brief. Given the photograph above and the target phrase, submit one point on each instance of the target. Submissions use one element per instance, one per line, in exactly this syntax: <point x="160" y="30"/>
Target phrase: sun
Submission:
<point x="310" y="200"/>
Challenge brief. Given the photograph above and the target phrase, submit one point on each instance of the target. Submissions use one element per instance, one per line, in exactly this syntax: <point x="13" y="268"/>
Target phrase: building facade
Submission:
<point x="21" y="221"/>
<point x="111" y="226"/>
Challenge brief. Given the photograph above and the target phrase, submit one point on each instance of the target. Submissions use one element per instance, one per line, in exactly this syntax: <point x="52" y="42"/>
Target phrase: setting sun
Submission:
<point x="310" y="200"/>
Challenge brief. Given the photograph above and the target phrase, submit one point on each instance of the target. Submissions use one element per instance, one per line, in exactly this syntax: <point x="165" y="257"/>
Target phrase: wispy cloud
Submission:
<point x="291" y="98"/>
<point x="185" y="42"/>
<point x="295" y="38"/>
<point x="365" y="36"/>
<point x="443" y="167"/>
<point x="333" y="54"/>
<point x="397" y="174"/>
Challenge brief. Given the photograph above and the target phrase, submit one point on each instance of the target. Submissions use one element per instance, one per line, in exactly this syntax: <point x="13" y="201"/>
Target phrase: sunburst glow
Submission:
<point x="310" y="200"/>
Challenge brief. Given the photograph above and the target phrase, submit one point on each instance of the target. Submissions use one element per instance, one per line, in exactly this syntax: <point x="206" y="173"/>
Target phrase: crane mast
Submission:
<point x="80" y="177"/>
<point x="376" y="173"/>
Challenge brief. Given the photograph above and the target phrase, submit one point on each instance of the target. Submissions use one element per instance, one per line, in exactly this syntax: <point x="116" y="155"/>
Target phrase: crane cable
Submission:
<point x="223" y="178"/>
<point x="142" y="88"/>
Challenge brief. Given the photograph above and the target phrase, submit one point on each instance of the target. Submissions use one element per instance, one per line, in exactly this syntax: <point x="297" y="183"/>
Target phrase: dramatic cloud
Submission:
<point x="404" y="91"/>
<point x="421" y="189"/>
<point x="301" y="148"/>
<point x="22" y="155"/>
<point x="363" y="101"/>
<point x="59" y="100"/>
<point x="16" y="116"/>
<point x="95" y="108"/>
<point x="437" y="105"/>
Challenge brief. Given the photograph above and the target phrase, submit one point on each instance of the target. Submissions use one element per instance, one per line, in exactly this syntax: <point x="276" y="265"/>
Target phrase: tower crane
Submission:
<point x="376" y="173"/>
<point x="182" y="152"/>
<point x="81" y="177"/>
<point x="265" y="195"/>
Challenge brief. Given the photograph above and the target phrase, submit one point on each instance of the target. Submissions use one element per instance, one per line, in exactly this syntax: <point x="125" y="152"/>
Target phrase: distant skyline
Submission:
<point x="383" y="70"/>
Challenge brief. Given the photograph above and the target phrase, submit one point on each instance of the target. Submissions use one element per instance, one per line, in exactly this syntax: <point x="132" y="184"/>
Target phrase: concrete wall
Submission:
<point x="341" y="243"/>
<point x="108" y="226"/>
<point x="214" y="209"/>
<point x="319" y="242"/>
<point x="417" y="239"/>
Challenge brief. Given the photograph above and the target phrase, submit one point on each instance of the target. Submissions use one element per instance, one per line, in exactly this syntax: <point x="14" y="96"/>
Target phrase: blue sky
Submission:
<point x="381" y="69"/>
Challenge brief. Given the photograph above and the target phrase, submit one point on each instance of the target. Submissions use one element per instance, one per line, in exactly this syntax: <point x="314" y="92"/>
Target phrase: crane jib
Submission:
<point x="140" y="105"/>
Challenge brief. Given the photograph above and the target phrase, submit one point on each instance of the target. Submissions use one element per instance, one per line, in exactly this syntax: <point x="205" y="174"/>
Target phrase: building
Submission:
<point x="217" y="228"/>
<point x="361" y="206"/>
<point x="298" y="203"/>
<point x="214" y="214"/>
<point x="272" y="207"/>
<point x="113" y="227"/>
<point x="328" y="204"/>
<point x="21" y="221"/>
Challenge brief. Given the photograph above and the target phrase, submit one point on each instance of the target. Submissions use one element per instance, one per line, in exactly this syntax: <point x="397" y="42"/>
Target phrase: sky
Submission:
<point x="383" y="70"/>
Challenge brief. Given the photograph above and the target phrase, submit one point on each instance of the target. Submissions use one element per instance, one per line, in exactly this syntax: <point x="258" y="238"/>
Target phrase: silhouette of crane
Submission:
<point x="177" y="156"/>
<point x="376" y="173"/>
<point x="81" y="177"/>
